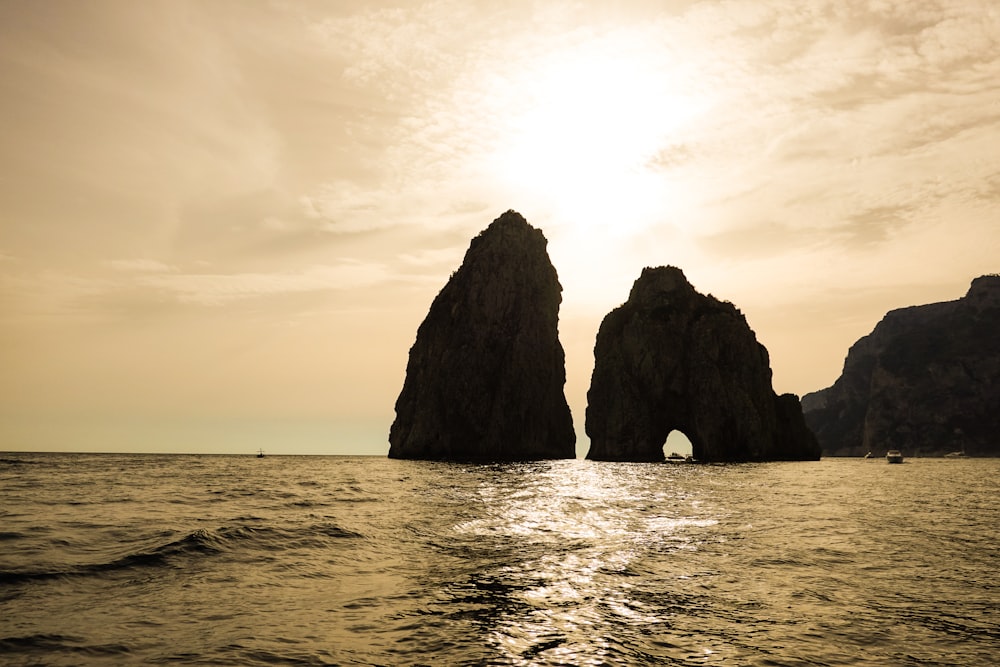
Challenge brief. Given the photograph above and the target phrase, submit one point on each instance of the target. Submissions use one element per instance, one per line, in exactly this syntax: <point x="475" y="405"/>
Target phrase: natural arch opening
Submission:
<point x="678" y="443"/>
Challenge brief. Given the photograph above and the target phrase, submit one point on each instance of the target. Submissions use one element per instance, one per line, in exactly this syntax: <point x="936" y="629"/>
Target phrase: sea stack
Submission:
<point x="671" y="358"/>
<point x="485" y="377"/>
<point x="925" y="381"/>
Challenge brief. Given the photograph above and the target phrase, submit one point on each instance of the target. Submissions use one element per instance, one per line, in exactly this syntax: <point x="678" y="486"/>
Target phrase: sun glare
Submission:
<point x="584" y="145"/>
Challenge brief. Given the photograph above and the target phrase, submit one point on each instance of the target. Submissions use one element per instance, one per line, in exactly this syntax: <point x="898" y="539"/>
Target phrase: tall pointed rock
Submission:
<point x="485" y="377"/>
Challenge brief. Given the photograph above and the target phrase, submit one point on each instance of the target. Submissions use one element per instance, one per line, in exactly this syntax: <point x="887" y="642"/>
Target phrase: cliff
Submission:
<point x="485" y="377"/>
<point x="671" y="358"/>
<point x="925" y="381"/>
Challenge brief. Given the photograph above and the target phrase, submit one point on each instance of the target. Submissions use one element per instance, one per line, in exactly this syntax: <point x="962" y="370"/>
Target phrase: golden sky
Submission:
<point x="222" y="222"/>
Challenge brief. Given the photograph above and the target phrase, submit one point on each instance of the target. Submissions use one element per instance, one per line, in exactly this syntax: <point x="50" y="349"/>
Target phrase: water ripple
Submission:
<point x="338" y="560"/>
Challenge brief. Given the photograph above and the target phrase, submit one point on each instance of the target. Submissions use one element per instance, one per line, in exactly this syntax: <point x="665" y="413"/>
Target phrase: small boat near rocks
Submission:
<point x="894" y="456"/>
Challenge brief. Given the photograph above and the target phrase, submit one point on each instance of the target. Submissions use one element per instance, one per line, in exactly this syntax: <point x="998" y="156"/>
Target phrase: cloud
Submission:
<point x="810" y="118"/>
<point x="30" y="295"/>
<point x="431" y="257"/>
<point x="863" y="230"/>
<point x="872" y="226"/>
<point x="140" y="266"/>
<point x="762" y="240"/>
<point x="110" y="102"/>
<point x="344" y="206"/>
<point x="275" y="224"/>
<point x="217" y="289"/>
<point x="967" y="33"/>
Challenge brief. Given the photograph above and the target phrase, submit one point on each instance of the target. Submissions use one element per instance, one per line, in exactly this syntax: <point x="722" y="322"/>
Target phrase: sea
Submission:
<point x="113" y="559"/>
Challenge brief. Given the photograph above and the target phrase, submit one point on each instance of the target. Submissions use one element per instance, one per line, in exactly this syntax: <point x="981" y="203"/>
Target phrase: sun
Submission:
<point x="584" y="140"/>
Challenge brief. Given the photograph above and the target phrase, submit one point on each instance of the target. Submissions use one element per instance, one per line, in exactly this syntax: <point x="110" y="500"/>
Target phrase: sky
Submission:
<point x="221" y="223"/>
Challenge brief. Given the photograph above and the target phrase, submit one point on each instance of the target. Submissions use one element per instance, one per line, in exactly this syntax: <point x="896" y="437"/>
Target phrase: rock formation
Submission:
<point x="925" y="381"/>
<point x="671" y="358"/>
<point x="485" y="377"/>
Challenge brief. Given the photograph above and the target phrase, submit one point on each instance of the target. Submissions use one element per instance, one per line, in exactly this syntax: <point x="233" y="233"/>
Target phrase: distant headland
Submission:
<point x="925" y="381"/>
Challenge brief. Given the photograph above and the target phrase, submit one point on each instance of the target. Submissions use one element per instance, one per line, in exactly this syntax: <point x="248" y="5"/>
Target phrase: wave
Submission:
<point x="196" y="545"/>
<point x="4" y="461"/>
<point x="48" y="642"/>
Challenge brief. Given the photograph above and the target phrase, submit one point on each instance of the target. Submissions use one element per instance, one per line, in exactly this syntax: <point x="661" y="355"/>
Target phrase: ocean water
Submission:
<point x="227" y="560"/>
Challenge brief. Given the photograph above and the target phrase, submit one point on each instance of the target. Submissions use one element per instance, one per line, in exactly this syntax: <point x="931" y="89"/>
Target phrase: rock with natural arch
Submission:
<point x="671" y="358"/>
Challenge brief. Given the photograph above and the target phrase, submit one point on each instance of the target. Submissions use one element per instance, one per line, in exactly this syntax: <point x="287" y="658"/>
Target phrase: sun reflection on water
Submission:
<point x="571" y="544"/>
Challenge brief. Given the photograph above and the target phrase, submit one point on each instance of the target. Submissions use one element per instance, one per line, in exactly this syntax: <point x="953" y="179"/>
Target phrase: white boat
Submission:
<point x="894" y="456"/>
<point x="676" y="458"/>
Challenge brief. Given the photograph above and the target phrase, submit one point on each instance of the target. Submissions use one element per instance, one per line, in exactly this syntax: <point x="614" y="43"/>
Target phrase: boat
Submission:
<point x="894" y="456"/>
<point x="260" y="453"/>
<point x="675" y="458"/>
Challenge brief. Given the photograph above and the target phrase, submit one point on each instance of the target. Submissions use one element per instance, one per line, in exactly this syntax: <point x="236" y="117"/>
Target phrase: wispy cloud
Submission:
<point x="148" y="114"/>
<point x="197" y="164"/>
<point x="140" y="265"/>
<point x="780" y="88"/>
<point x="451" y="256"/>
<point x="217" y="289"/>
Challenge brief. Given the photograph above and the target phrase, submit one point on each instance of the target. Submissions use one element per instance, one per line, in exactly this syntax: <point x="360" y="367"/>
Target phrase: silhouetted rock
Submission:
<point x="925" y="381"/>
<point x="485" y="377"/>
<point x="671" y="358"/>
